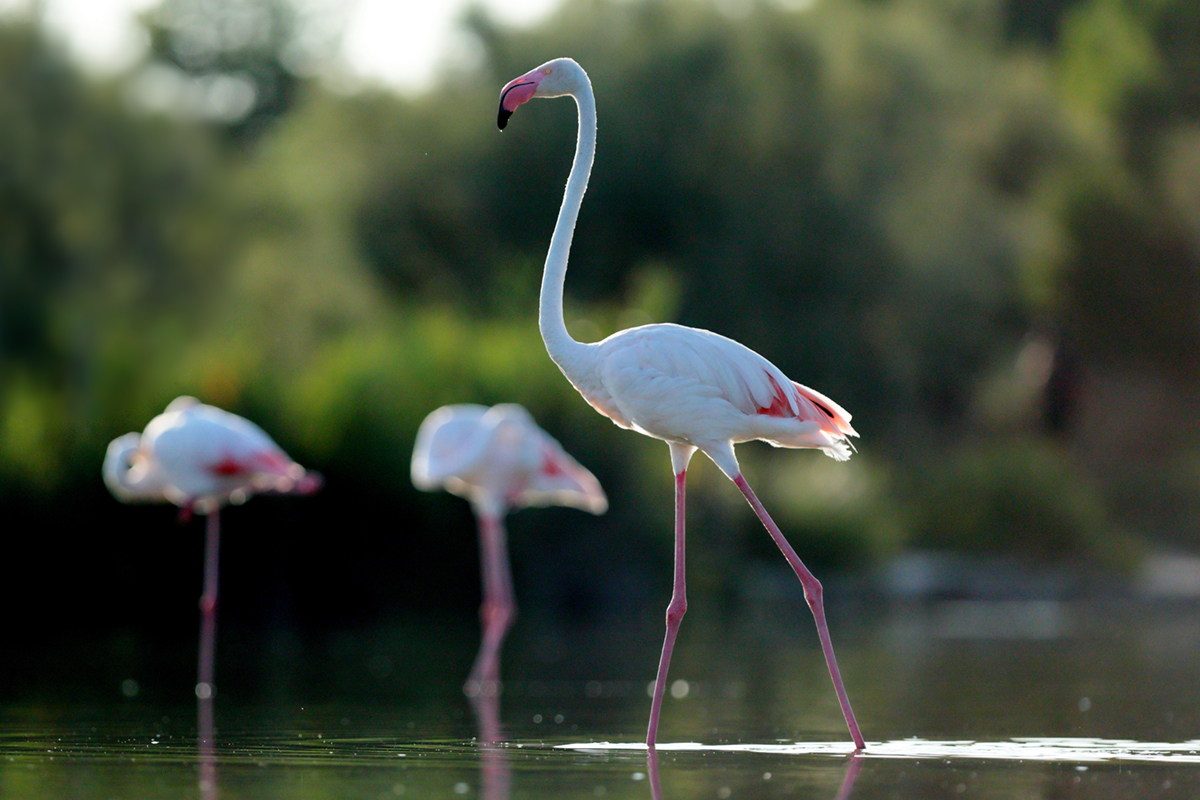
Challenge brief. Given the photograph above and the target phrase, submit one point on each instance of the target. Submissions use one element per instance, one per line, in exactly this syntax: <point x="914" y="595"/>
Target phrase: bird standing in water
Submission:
<point x="498" y="459"/>
<point x="694" y="389"/>
<point x="200" y="457"/>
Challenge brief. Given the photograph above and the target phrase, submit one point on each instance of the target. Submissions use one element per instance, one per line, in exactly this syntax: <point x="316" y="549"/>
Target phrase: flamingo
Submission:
<point x="693" y="389"/>
<point x="200" y="457"/>
<point x="498" y="459"/>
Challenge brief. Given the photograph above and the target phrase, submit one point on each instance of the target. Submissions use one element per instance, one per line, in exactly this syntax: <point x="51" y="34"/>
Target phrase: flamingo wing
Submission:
<point x="693" y="386"/>
<point x="499" y="458"/>
<point x="204" y="452"/>
<point x="449" y="444"/>
<point x="560" y="480"/>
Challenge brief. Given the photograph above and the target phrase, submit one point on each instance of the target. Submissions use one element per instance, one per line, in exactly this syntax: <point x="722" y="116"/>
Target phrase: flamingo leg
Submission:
<point x="675" y="609"/>
<point x="852" y="770"/>
<point x="205" y="687"/>
<point x="499" y="608"/>
<point x="495" y="773"/>
<point x="652" y="769"/>
<point x="814" y="597"/>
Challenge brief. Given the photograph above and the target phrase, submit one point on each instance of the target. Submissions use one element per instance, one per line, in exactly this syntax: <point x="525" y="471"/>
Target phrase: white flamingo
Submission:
<point x="693" y="389"/>
<point x="199" y="458"/>
<point x="498" y="459"/>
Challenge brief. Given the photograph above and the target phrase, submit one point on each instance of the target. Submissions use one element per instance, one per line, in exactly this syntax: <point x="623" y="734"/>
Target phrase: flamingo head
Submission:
<point x="130" y="473"/>
<point x="552" y="79"/>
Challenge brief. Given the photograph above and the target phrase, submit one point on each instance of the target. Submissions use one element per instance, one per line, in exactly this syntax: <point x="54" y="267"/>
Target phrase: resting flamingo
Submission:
<point x="498" y="459"/>
<point x="693" y="389"/>
<point x="199" y="458"/>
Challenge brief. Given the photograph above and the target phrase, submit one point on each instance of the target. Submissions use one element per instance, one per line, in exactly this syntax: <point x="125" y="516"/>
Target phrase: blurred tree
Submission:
<point x="244" y="60"/>
<point x="1130" y="285"/>
<point x="882" y="197"/>
<point x="1127" y="289"/>
<point x="1037" y="21"/>
<point x="106" y="221"/>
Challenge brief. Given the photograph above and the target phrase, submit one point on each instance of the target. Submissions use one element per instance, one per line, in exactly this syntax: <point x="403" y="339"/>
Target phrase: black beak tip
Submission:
<point x="502" y="118"/>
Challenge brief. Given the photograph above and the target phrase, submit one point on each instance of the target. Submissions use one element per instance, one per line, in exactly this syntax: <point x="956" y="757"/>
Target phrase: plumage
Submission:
<point x="200" y="457"/>
<point x="694" y="389"/>
<point x="498" y="459"/>
<point x="132" y="477"/>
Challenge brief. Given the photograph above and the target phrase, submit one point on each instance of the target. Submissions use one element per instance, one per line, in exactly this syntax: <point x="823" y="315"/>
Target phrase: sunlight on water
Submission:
<point x="347" y="752"/>
<point x="1059" y="750"/>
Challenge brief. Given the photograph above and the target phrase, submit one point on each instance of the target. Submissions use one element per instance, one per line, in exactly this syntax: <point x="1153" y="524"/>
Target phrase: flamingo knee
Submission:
<point x="497" y="615"/>
<point x="675" y="611"/>
<point x="813" y="593"/>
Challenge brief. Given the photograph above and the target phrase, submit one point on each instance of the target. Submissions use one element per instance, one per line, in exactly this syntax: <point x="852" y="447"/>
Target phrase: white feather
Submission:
<point x="198" y="456"/>
<point x="498" y="458"/>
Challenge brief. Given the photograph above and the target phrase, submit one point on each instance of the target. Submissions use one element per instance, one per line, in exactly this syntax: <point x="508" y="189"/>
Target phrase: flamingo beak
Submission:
<point x="514" y="94"/>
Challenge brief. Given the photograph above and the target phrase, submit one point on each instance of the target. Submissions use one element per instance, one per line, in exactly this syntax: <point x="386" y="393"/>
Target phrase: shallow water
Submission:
<point x="303" y="762"/>
<point x="956" y="700"/>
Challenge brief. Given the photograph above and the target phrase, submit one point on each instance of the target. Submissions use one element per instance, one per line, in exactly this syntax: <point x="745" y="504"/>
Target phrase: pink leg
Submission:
<point x="499" y="607"/>
<point x="205" y="688"/>
<point x="652" y="769"/>
<point x="495" y="773"/>
<point x="813" y="595"/>
<point x="852" y="770"/>
<point x="675" y="611"/>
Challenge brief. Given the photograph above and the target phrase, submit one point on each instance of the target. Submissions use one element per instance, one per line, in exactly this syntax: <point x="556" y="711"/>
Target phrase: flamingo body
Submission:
<point x="698" y="388"/>
<point x="691" y="388"/>
<point x="199" y="456"/>
<point x="498" y="459"/>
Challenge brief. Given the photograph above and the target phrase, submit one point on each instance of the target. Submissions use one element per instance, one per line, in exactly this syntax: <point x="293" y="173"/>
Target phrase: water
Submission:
<point x="984" y="700"/>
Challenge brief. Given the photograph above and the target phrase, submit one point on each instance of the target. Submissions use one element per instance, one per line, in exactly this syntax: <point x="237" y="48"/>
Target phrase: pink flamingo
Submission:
<point x="199" y="458"/>
<point x="498" y="459"/>
<point x="693" y="389"/>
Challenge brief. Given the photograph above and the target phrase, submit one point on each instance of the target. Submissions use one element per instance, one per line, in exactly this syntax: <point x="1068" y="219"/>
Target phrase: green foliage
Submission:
<point x="1021" y="498"/>
<point x="384" y="385"/>
<point x="112" y="241"/>
<point x="1132" y="285"/>
<point x="1106" y="53"/>
<point x="1036" y="20"/>
<point x="238" y="63"/>
<point x="1128" y="286"/>
<point x="881" y="197"/>
<point x="863" y="180"/>
<point x="843" y="514"/>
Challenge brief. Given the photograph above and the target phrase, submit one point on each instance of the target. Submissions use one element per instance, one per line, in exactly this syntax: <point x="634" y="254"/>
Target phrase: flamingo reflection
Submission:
<point x="853" y="766"/>
<point x="495" y="773"/>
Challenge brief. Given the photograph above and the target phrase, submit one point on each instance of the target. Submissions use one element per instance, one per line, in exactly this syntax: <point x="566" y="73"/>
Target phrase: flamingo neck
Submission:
<point x="564" y="350"/>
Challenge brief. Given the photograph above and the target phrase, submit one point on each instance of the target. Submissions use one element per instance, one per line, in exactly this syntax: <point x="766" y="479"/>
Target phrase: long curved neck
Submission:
<point x="562" y="348"/>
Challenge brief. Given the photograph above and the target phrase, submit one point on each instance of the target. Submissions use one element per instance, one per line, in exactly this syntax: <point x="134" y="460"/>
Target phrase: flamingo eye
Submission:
<point x="547" y="71"/>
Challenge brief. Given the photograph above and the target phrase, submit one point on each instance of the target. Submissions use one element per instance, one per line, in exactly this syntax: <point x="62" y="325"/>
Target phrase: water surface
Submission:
<point x="1065" y="700"/>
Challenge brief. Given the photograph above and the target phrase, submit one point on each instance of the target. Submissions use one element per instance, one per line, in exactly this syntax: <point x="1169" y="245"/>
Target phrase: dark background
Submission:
<point x="974" y="225"/>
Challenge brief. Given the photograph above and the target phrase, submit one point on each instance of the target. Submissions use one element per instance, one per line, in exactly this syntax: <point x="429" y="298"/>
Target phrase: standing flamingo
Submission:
<point x="200" y="457"/>
<point x="693" y="389"/>
<point x="498" y="459"/>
